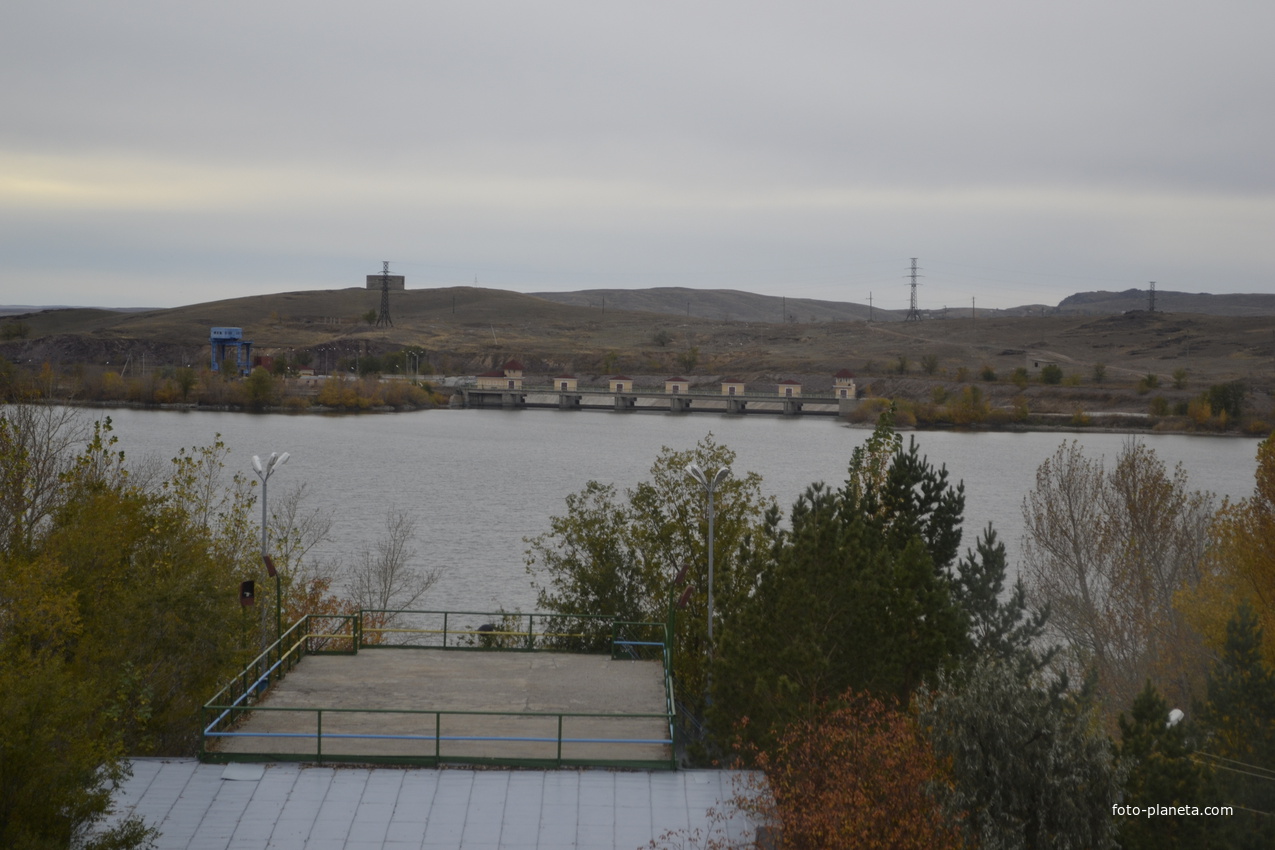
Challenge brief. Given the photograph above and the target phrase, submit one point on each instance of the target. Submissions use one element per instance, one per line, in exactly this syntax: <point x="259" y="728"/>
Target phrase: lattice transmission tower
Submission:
<point x="384" y="319"/>
<point x="913" y="315"/>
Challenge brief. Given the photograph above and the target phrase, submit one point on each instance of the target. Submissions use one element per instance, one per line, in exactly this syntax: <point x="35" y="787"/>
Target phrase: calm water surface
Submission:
<point x="481" y="481"/>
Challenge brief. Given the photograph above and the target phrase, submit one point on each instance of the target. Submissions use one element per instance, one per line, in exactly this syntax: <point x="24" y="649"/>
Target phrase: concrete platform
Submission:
<point x="371" y="696"/>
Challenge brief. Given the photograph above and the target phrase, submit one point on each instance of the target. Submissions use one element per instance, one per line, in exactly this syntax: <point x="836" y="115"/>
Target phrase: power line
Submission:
<point x="1264" y="772"/>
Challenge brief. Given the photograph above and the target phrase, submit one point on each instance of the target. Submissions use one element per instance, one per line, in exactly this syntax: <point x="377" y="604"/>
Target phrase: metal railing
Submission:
<point x="484" y="630"/>
<point x="446" y="736"/>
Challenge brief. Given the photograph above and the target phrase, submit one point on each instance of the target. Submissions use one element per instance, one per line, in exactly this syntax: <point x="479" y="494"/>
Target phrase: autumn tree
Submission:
<point x="1239" y="567"/>
<point x="857" y="773"/>
<point x="37" y="444"/>
<point x="309" y="584"/>
<point x="1107" y="550"/>
<point x="261" y="389"/>
<point x="116" y="600"/>
<point x="385" y="578"/>
<point x="186" y="380"/>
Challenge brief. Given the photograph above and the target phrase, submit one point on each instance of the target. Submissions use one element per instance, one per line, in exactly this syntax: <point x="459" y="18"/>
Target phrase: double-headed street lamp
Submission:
<point x="710" y="486"/>
<point x="264" y="471"/>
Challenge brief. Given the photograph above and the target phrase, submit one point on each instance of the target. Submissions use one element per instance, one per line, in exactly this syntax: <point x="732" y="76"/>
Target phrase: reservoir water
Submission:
<point x="481" y="481"/>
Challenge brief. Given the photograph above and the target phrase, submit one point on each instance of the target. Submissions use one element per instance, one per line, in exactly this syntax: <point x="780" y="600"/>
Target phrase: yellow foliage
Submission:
<point x="1240" y="563"/>
<point x="1199" y="411"/>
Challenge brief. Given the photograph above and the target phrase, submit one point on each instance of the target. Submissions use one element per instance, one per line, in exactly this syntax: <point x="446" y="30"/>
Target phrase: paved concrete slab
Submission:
<point x="295" y="807"/>
<point x="375" y="692"/>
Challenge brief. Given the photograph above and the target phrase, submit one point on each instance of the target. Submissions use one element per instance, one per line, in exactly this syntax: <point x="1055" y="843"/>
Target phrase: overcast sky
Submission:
<point x="164" y="153"/>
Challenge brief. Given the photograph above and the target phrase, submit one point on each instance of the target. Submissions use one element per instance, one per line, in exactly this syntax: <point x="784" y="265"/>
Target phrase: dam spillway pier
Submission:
<point x="550" y="398"/>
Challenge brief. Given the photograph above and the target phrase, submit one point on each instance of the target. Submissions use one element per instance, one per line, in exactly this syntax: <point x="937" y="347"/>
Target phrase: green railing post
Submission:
<point x="438" y="737"/>
<point x="444" y="630"/>
<point x="318" y="738"/>
<point x="559" y="740"/>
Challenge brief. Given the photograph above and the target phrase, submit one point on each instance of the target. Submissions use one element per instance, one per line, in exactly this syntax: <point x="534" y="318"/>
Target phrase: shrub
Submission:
<point x="929" y="364"/>
<point x="1199" y="411"/>
<point x="1179" y="379"/>
<point x="15" y="329"/>
<point x="858" y="773"/>
<point x="689" y="358"/>
<point x="1099" y="373"/>
<point x="905" y="416"/>
<point x="1227" y="398"/>
<point x="1020" y="378"/>
<point x="1159" y="406"/>
<point x="868" y="410"/>
<point x="987" y="373"/>
<point x="1051" y="373"/>
<point x="972" y="408"/>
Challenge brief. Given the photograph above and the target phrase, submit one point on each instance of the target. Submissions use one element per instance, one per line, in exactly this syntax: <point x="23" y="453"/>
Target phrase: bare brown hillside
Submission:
<point x="464" y="330"/>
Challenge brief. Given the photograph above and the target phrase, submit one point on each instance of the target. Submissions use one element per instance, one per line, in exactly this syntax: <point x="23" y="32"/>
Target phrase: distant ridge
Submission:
<point x="1168" y="301"/>
<point x="19" y="309"/>
<point x="721" y="305"/>
<point x="735" y="305"/>
<point x="729" y="305"/>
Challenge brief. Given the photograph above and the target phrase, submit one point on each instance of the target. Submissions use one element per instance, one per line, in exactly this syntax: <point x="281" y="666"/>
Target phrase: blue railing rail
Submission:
<point x="311" y="635"/>
<point x="414" y="748"/>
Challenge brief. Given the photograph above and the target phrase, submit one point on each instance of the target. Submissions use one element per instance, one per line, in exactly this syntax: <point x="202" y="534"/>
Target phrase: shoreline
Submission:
<point x="1101" y="423"/>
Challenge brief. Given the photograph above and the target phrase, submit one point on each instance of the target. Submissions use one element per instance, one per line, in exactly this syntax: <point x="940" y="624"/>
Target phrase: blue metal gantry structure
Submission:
<point x="222" y="338"/>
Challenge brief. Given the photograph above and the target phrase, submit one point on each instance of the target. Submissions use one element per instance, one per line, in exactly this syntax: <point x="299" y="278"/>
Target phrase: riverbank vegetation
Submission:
<point x="934" y="399"/>
<point x="280" y="389"/>
<point x="925" y="399"/>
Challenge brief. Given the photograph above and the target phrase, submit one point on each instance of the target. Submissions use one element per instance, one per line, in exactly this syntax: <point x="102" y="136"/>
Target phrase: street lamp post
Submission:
<point x="264" y="471"/>
<point x="710" y="486"/>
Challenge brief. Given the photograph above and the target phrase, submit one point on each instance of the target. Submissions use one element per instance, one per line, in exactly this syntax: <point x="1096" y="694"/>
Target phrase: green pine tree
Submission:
<point x="1163" y="771"/>
<point x="1239" y="719"/>
<point x="861" y="592"/>
<point x="1029" y="762"/>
